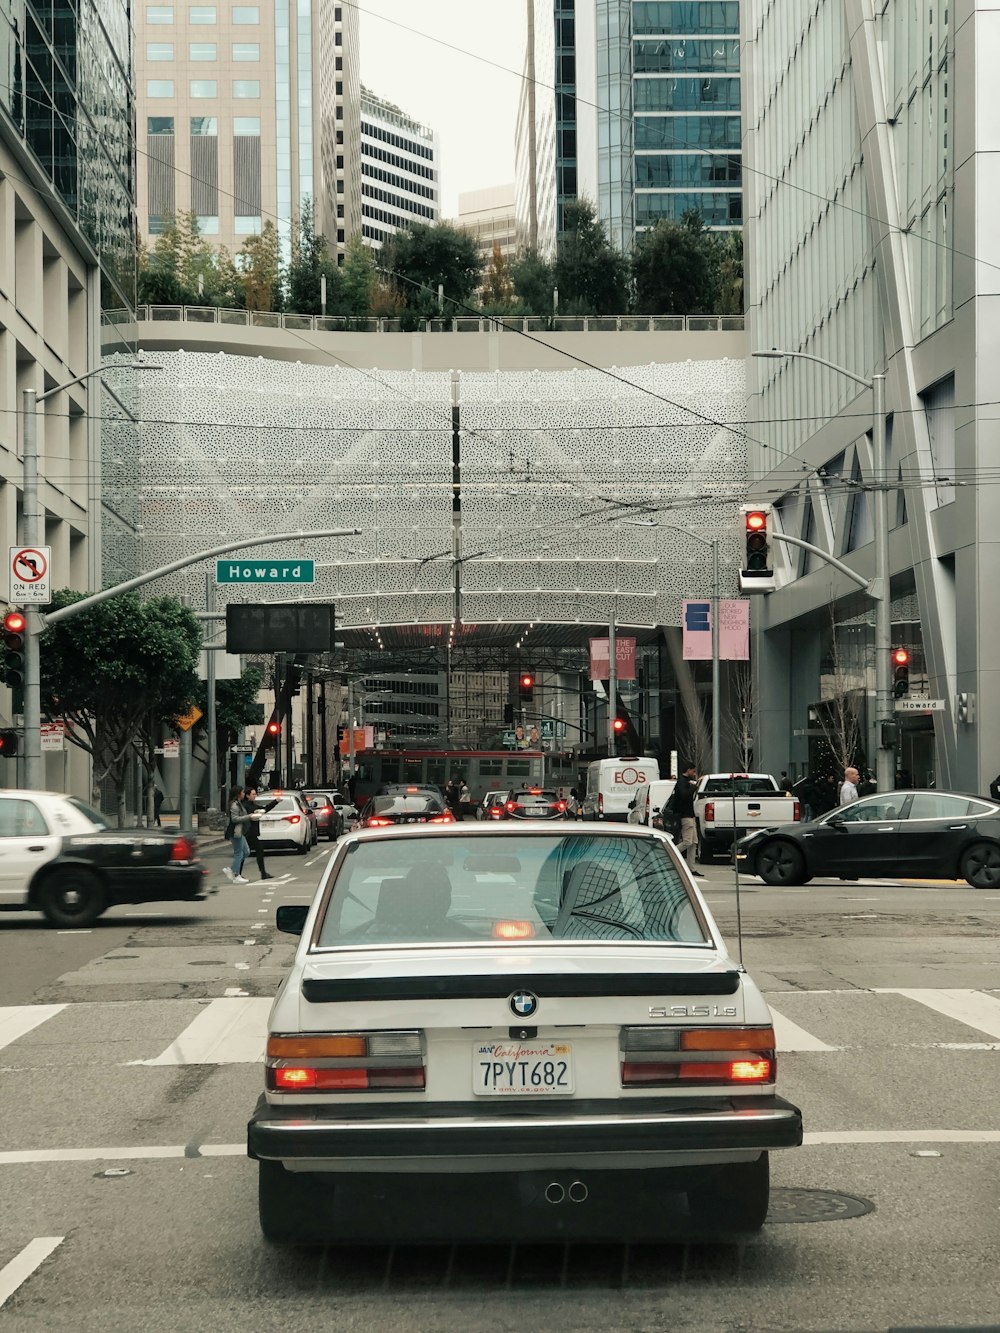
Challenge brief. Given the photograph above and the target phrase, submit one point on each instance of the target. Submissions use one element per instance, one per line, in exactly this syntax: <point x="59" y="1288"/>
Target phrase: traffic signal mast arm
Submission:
<point x="852" y="574"/>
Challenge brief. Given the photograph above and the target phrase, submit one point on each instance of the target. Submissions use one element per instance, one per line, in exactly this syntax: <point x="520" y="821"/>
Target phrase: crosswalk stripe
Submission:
<point x="18" y="1019"/>
<point x="790" y="1037"/>
<point x="971" y="1007"/>
<point x="230" y="1031"/>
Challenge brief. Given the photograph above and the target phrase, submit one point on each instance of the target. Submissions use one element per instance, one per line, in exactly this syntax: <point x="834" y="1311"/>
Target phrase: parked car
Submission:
<point x="404" y="808"/>
<point x="496" y="1032"/>
<point x="285" y="821"/>
<point x="534" y="803"/>
<point x="613" y="783"/>
<point x="346" y="808"/>
<point x="649" y="801"/>
<point x="491" y="806"/>
<point x="328" y="819"/>
<point x="728" y="805"/>
<point x="60" y="857"/>
<point x="908" y="834"/>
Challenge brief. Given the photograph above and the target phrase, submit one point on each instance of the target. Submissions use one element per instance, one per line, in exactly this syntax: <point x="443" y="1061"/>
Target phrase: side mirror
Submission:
<point x="836" y="821"/>
<point x="291" y="918"/>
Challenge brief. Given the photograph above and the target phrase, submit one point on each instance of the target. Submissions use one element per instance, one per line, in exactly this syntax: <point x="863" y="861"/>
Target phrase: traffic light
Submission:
<point x="8" y="744"/>
<point x="14" y="624"/>
<point x="756" y="574"/>
<point x="900" y="672"/>
<point x="965" y="708"/>
<point x="272" y="733"/>
<point x="526" y="687"/>
<point x="619" y="725"/>
<point x="508" y="714"/>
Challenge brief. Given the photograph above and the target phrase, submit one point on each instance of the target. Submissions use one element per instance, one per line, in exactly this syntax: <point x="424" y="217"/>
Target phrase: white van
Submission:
<point x="613" y="783"/>
<point x="649" y="801"/>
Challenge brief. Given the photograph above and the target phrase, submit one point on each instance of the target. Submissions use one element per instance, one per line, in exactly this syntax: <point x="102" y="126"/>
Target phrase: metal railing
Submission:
<point x="266" y="319"/>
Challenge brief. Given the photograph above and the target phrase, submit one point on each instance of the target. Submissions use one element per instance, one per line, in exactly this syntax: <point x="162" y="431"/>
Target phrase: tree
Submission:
<point x="842" y="677"/>
<point x="675" y="268"/>
<point x="311" y="262"/>
<point x="591" y="275"/>
<point x="113" y="670"/>
<point x="729" y="260"/>
<point x="424" y="258"/>
<point x="359" y="277"/>
<point x="259" y="264"/>
<point x="741" y="721"/>
<point x="534" y="282"/>
<point x="498" y="288"/>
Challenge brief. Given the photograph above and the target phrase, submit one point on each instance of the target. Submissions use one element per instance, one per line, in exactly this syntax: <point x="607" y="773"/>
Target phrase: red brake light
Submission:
<point x="513" y="930"/>
<point x="345" y="1080"/>
<point x="182" y="850"/>
<point x="293" y="819"/>
<point x="600" y="803"/>
<point x="534" y="791"/>
<point x="796" y="811"/>
<point x="560" y="805"/>
<point x="495" y="811"/>
<point x="511" y="806"/>
<point x="709" y="812"/>
<point x="446" y="818"/>
<point x="377" y="821"/>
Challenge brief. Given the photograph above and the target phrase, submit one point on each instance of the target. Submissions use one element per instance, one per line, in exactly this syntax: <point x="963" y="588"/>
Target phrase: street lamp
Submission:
<point x="713" y="544"/>
<point x="33" y="534"/>
<point x="879" y="590"/>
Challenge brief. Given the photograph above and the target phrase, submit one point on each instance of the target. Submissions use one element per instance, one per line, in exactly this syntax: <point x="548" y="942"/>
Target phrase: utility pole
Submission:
<point x="886" y="758"/>
<point x="34" y="779"/>
<point x="716" y="702"/>
<point x="211" y="722"/>
<point x="612" y="687"/>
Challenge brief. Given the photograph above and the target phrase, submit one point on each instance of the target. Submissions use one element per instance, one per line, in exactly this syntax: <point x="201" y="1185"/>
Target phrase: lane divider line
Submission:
<point x="21" y="1267"/>
<point x="970" y="1007"/>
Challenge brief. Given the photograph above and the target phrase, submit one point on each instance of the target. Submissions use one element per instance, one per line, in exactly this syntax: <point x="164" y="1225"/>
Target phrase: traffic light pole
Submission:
<point x="31" y="526"/>
<point x="612" y="688"/>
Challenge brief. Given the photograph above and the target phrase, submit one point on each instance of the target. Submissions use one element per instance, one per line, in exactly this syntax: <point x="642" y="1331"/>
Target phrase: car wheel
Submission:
<point x="780" y="863"/>
<point x="290" y="1204"/>
<point x="733" y="1201"/>
<point x="72" y="897"/>
<point x="303" y="848"/>
<point x="980" y="865"/>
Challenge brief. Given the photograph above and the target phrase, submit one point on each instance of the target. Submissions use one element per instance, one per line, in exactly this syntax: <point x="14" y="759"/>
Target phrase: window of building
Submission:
<point x="158" y="225"/>
<point x="159" y="124"/>
<point x="201" y="14"/>
<point x="246" y="87"/>
<point x="247" y="226"/>
<point x="208" y="226"/>
<point x="202" y="51"/>
<point x="159" y="87"/>
<point x="245" y="14"/>
<point x="204" y="125"/>
<point x="246" y="124"/>
<point x="159" y="50"/>
<point x="203" y="88"/>
<point x="159" y="14"/>
<point x="246" y="51"/>
<point x="340" y="236"/>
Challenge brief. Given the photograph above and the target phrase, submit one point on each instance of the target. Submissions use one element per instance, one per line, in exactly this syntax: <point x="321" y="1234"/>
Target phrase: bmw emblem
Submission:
<point x="523" y="1004"/>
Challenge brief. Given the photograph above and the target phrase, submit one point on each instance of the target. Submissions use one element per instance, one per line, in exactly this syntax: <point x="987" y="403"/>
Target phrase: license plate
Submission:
<point x="522" y="1069"/>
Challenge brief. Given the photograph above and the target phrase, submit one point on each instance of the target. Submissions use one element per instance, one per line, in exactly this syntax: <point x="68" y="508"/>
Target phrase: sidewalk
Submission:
<point x="210" y="837"/>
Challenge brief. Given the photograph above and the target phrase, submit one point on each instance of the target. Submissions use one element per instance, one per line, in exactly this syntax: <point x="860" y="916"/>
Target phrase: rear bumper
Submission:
<point x="163" y="884"/>
<point x="404" y="1141"/>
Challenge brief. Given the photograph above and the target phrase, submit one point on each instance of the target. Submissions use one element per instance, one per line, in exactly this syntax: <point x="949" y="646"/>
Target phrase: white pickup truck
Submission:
<point x="729" y="805"/>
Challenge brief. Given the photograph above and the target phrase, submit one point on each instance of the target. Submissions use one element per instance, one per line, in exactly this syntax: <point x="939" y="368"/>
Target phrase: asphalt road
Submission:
<point x="129" y="1062"/>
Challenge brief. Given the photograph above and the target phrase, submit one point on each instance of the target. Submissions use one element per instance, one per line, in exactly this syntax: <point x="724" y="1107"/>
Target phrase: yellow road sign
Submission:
<point x="189" y="719"/>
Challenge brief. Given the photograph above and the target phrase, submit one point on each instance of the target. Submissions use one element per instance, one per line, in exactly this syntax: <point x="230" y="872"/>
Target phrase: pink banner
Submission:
<point x="600" y="659"/>
<point x="734" y="630"/>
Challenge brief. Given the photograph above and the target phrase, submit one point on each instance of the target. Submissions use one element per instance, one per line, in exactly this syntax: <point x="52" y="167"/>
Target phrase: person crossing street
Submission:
<point x="252" y="831"/>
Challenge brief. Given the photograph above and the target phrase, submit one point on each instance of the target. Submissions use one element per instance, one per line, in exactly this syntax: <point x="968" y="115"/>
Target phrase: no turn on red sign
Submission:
<point x="28" y="567"/>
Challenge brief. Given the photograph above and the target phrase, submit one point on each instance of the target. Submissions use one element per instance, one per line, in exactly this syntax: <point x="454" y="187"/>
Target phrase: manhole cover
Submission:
<point x="794" y="1205"/>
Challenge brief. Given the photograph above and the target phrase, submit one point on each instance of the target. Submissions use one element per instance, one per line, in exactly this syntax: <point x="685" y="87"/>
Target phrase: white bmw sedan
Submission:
<point x="509" y="1032"/>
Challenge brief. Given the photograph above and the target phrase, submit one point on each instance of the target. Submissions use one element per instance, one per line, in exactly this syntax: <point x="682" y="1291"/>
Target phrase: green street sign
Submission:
<point x="548" y="728"/>
<point x="510" y="738"/>
<point x="265" y="571"/>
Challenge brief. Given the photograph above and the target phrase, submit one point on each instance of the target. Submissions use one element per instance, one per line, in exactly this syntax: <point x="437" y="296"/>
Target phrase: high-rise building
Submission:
<point x="870" y="245"/>
<point x="488" y="217"/>
<point x="399" y="170"/>
<point x="244" y="111"/>
<point x="635" y="105"/>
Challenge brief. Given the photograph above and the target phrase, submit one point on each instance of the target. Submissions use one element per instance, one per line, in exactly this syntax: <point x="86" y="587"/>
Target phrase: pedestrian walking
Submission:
<point x="157" y="803"/>
<point x="235" y="831"/>
<point x="464" y="797"/>
<point x="803" y="791"/>
<point x="995" y="788"/>
<point x="452" y="799"/>
<point x="786" y="782"/>
<point x="849" y="787"/>
<point x="252" y="830"/>
<point x="683" y="804"/>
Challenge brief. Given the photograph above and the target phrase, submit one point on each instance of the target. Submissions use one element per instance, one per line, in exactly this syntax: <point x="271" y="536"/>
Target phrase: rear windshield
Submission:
<point x="727" y="786"/>
<point x="406" y="805"/>
<point x="586" y="888"/>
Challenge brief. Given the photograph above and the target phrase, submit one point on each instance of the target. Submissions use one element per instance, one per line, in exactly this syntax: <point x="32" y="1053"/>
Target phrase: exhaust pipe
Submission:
<point x="578" y="1192"/>
<point x="554" y="1192"/>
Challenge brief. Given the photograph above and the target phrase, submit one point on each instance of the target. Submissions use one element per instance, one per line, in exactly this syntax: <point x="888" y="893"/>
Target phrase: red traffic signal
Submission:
<point x="527" y="682"/>
<point x="901" y="672"/>
<point x="619" y="725"/>
<point x="526" y="686"/>
<point x="14" y="622"/>
<point x="274" y="728"/>
<point x="756" y="520"/>
<point x="901" y="656"/>
<point x="8" y="743"/>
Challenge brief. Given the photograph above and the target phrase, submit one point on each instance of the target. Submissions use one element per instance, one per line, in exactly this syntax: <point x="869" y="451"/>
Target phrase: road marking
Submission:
<point x="970" y="1007"/>
<point x="231" y="991"/>
<point x="903" y="1136"/>
<point x="18" y="1019"/>
<point x="74" y="932"/>
<point x="249" y="942"/>
<point x="24" y="1264"/>
<point x="790" y="1037"/>
<point x="231" y="1031"/>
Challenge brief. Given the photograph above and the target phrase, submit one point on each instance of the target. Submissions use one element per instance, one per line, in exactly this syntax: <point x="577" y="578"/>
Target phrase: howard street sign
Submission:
<point x="919" y="705"/>
<point x="265" y="571"/>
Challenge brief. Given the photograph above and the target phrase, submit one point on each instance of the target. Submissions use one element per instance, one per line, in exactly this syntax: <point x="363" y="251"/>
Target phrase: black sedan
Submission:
<point x="60" y="857"/>
<point x="908" y="834"/>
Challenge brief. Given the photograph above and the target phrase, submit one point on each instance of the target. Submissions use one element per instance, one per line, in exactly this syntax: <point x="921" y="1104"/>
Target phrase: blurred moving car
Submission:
<point x="534" y="803"/>
<point x="60" y="857"/>
<point x="329" y="823"/>
<point x="286" y="821"/>
<point x="910" y="834"/>
<point x="491" y="806"/>
<point x="404" y="807"/>
<point x="346" y="808"/>
<point x="496" y="1032"/>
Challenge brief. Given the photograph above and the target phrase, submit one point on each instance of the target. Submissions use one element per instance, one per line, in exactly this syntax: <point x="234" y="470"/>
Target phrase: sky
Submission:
<point x="471" y="105"/>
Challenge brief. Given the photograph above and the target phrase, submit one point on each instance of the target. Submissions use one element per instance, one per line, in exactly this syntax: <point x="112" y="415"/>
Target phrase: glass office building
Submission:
<point x="66" y="96"/>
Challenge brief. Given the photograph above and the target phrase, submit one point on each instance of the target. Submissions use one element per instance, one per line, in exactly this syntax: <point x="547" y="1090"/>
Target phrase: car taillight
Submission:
<point x="377" y="821"/>
<point x="511" y="806"/>
<point x="600" y="803"/>
<point x="513" y="930"/>
<point x="326" y="810"/>
<point x="560" y="805"/>
<point x="346" y="1062"/>
<point x="796" y="811"/>
<point x="446" y="818"/>
<point x="495" y="811"/>
<point x="709" y="812"/>
<point x="659" y="1057"/>
<point x="293" y="819"/>
<point x="182" y="850"/>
